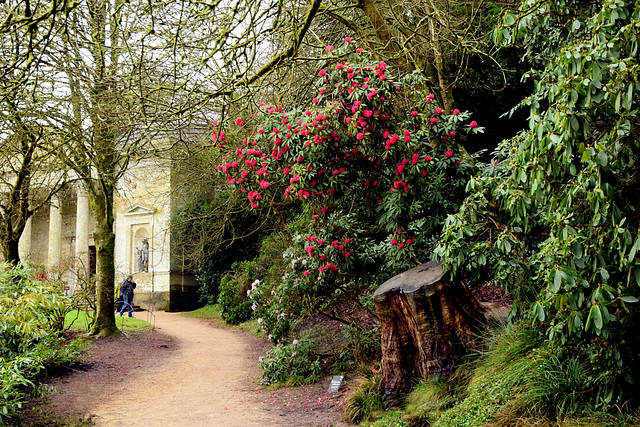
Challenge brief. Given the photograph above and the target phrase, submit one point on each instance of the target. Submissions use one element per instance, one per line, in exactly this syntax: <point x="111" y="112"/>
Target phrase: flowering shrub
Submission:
<point x="375" y="165"/>
<point x="291" y="364"/>
<point x="381" y="144"/>
<point x="269" y="310"/>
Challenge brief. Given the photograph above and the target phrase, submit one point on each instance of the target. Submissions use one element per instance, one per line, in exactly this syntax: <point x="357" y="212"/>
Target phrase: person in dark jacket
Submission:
<point x="126" y="292"/>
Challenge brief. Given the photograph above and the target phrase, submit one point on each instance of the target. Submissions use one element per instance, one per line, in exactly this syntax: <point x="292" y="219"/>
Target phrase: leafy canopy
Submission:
<point x="554" y="218"/>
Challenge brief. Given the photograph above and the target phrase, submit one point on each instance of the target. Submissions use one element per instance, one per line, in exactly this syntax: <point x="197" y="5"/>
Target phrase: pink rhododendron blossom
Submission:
<point x="448" y="153"/>
<point x="347" y="39"/>
<point x="329" y="48"/>
<point x="239" y="121"/>
<point x="321" y="73"/>
<point x="473" y="124"/>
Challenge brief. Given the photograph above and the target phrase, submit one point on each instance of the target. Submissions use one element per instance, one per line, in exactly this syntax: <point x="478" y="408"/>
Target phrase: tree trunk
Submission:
<point x="105" y="240"/>
<point x="12" y="255"/>
<point x="427" y="326"/>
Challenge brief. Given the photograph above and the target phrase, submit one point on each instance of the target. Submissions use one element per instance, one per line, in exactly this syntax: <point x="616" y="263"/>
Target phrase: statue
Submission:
<point x="143" y="256"/>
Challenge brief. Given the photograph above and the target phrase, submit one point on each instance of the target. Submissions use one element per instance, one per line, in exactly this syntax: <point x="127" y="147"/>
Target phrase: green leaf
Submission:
<point x="509" y="20"/>
<point x="557" y="281"/>
<point x="539" y="312"/>
<point x="575" y="125"/>
<point x="629" y="299"/>
<point x="597" y="317"/>
<point x="602" y="158"/>
<point x="634" y="249"/>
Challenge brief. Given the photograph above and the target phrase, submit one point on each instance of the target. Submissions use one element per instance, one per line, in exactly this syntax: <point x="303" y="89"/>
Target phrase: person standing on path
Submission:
<point x="126" y="292"/>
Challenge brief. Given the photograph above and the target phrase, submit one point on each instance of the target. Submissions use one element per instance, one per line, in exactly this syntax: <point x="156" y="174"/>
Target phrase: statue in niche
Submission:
<point x="143" y="256"/>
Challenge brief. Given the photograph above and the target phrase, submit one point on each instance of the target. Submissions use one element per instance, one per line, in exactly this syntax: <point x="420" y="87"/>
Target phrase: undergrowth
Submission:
<point x="519" y="381"/>
<point x="365" y="403"/>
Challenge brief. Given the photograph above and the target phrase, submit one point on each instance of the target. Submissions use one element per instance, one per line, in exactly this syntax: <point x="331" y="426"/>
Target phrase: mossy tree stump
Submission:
<point x="427" y="326"/>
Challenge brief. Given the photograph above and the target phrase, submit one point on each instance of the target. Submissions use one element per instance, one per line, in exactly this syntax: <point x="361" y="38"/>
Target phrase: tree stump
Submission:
<point x="427" y="326"/>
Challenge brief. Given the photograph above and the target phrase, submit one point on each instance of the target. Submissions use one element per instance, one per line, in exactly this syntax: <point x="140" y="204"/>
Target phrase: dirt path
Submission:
<point x="188" y="373"/>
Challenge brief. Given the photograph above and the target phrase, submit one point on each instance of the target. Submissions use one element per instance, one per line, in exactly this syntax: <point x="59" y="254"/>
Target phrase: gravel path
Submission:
<point x="188" y="372"/>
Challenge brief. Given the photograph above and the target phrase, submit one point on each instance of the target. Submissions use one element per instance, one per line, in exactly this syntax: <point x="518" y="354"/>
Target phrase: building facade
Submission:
<point x="60" y="238"/>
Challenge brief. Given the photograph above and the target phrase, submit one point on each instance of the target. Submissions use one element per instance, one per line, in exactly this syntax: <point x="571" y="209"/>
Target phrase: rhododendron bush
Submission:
<point x="375" y="165"/>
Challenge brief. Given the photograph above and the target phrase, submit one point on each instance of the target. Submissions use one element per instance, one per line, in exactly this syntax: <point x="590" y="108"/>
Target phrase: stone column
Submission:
<point x="24" y="245"/>
<point x="55" y="234"/>
<point x="82" y="232"/>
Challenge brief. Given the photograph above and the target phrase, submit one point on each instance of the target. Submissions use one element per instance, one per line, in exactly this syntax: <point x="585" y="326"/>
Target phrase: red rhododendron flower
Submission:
<point x="329" y="48"/>
<point x="239" y="121"/>
<point x="448" y="153"/>
<point x="473" y="124"/>
<point x="347" y="39"/>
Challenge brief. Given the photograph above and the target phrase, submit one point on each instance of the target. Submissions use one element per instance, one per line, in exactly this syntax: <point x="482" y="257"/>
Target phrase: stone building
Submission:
<point x="60" y="238"/>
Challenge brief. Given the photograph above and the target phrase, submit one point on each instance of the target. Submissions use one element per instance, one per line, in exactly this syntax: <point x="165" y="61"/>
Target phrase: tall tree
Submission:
<point x="99" y="122"/>
<point x="28" y="177"/>
<point x="251" y="40"/>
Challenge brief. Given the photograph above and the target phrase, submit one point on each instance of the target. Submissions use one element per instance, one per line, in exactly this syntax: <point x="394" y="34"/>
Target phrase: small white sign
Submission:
<point x="336" y="382"/>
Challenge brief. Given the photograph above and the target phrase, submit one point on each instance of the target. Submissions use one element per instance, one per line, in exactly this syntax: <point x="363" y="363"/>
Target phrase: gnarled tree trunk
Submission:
<point x="427" y="326"/>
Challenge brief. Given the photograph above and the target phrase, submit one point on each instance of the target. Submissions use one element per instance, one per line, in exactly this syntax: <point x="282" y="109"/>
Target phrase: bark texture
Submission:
<point x="427" y="326"/>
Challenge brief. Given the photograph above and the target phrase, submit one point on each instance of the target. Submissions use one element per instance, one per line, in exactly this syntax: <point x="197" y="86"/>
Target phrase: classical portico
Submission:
<point x="60" y="238"/>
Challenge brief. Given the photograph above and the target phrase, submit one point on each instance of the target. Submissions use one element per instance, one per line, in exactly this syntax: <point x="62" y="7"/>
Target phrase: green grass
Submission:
<point x="208" y="312"/>
<point x="387" y="419"/>
<point x="212" y="314"/>
<point x="78" y="321"/>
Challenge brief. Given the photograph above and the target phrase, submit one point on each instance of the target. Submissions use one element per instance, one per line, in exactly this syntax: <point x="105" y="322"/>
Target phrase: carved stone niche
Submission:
<point x="138" y="223"/>
<point x="427" y="325"/>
